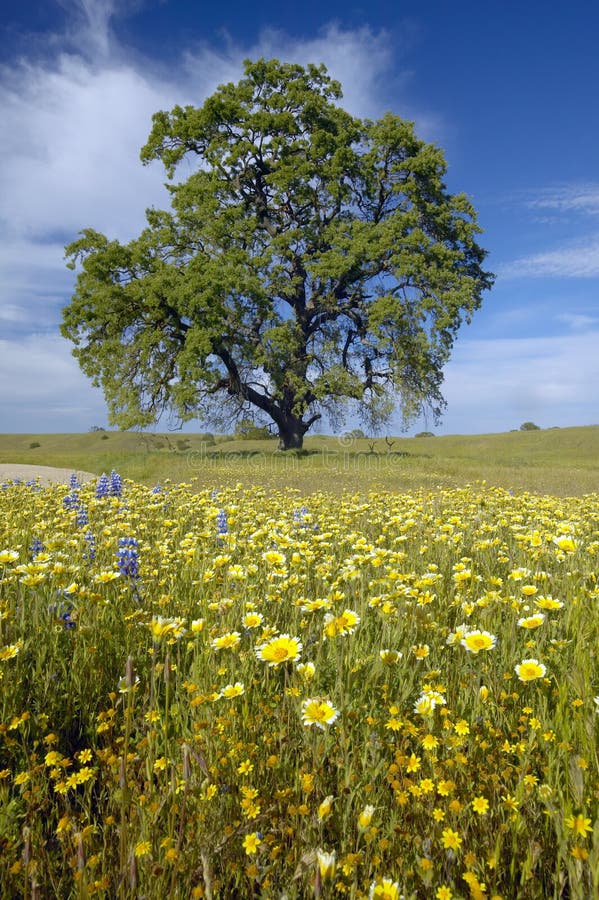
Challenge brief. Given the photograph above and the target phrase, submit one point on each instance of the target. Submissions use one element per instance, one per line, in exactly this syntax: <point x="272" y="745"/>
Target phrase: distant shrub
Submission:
<point x="207" y="438"/>
<point x="104" y="437"/>
<point x="357" y="433"/>
<point x="183" y="444"/>
<point x="247" y="430"/>
<point x="97" y="428"/>
<point x="529" y="426"/>
<point x="424" y="434"/>
<point x="34" y="444"/>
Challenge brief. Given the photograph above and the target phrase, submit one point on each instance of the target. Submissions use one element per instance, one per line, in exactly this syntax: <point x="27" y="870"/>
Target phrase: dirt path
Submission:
<point x="46" y="474"/>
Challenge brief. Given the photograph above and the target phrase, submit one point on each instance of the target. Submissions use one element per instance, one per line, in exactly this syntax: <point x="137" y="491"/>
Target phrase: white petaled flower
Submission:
<point x="125" y="686"/>
<point x="318" y="712"/>
<point x="475" y="641"/>
<point x="307" y="670"/>
<point x="232" y="690"/>
<point x="327" y="863"/>
<point x="424" y="705"/>
<point x="390" y="657"/>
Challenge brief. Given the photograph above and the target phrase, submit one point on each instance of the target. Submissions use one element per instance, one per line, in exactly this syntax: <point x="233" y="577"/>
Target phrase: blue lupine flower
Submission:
<point x="91" y="547"/>
<point x="102" y="487"/>
<point x="63" y="611"/>
<point x="36" y="547"/>
<point x="116" y="484"/>
<point x="74" y="482"/>
<point x="82" y="519"/>
<point x="157" y="489"/>
<point x="128" y="557"/>
<point x="299" y="517"/>
<point x="71" y="501"/>
<point x="222" y="526"/>
<point x="66" y="619"/>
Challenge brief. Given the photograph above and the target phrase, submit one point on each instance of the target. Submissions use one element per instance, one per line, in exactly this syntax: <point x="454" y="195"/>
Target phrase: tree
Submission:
<point x="529" y="426"/>
<point x="311" y="262"/>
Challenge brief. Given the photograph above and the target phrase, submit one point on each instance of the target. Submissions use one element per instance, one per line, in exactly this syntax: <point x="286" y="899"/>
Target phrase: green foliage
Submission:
<point x="356" y="434"/>
<point x="34" y="444"/>
<point x="529" y="426"/>
<point x="312" y="262"/>
<point x="422" y="434"/>
<point x="247" y="430"/>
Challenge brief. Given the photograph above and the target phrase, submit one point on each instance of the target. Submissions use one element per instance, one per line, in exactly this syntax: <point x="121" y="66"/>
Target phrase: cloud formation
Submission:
<point x="580" y="198"/>
<point x="572" y="260"/>
<point x="495" y="385"/>
<point x="45" y="389"/>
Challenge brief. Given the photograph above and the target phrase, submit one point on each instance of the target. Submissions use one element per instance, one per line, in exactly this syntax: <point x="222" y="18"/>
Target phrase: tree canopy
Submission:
<point x="312" y="262"/>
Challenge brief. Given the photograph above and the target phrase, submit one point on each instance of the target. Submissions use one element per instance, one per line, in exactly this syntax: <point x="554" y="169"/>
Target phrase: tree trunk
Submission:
<point x="291" y="433"/>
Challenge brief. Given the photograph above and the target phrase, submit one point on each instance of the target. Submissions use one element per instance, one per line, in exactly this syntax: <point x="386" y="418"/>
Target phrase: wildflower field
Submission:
<point x="244" y="693"/>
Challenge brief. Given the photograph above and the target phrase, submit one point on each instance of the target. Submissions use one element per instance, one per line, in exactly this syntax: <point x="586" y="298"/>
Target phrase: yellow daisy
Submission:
<point x="251" y="842"/>
<point x="279" y="650"/>
<point x="226" y="641"/>
<point x="579" y="824"/>
<point x="232" y="690"/>
<point x="390" y="657"/>
<point x="327" y="863"/>
<point x="319" y="713"/>
<point x="530" y="669"/>
<point x="475" y="641"/>
<point x="384" y="890"/>
<point x="532" y="621"/>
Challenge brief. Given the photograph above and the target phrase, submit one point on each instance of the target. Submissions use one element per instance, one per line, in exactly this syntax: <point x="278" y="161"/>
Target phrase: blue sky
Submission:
<point x="507" y="89"/>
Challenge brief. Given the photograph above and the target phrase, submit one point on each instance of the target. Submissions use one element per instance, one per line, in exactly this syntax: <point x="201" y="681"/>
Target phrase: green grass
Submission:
<point x="560" y="462"/>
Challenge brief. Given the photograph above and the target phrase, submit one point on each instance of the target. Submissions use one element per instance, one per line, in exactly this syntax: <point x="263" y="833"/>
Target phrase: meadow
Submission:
<point x="561" y="461"/>
<point x="341" y="674"/>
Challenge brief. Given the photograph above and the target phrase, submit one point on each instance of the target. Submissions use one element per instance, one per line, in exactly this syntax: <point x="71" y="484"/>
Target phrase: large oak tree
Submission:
<point x="311" y="262"/>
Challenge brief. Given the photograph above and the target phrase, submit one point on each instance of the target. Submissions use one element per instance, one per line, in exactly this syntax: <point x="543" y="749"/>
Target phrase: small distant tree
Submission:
<point x="355" y="433"/>
<point x="247" y="430"/>
<point x="529" y="426"/>
<point x="311" y="260"/>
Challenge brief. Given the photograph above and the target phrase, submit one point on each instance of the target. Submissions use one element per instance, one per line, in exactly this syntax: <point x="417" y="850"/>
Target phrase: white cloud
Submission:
<point x="345" y="54"/>
<point x="44" y="389"/>
<point x="576" y="197"/>
<point x="360" y="59"/>
<point x="578" y="321"/>
<point x="365" y="63"/>
<point x="495" y="385"/>
<point x="579" y="260"/>
<point x="78" y="133"/>
<point x="34" y="283"/>
<point x="12" y="313"/>
<point x="96" y="29"/>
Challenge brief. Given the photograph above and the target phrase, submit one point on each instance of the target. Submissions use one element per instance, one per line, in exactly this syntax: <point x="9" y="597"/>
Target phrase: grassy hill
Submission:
<point x="560" y="461"/>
